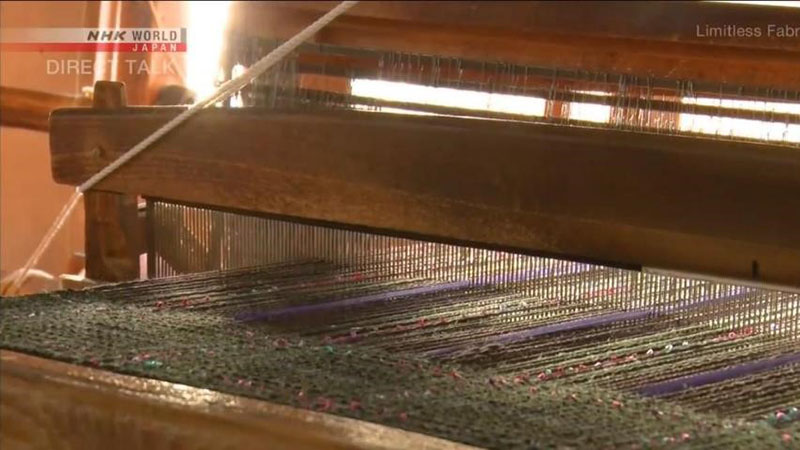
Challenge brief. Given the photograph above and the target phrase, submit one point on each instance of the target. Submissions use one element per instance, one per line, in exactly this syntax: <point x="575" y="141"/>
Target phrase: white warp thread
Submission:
<point x="226" y="90"/>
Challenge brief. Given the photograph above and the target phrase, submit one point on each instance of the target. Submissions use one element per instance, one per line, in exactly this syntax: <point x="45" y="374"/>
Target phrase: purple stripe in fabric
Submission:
<point x="716" y="376"/>
<point x="572" y="325"/>
<point x="382" y="296"/>
<point x="591" y="322"/>
<point x="354" y="301"/>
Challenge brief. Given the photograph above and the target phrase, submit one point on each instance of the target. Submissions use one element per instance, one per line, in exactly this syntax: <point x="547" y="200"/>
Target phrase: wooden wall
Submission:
<point x="29" y="198"/>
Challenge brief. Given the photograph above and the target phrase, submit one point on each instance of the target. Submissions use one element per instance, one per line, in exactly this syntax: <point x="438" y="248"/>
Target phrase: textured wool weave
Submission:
<point x="433" y="357"/>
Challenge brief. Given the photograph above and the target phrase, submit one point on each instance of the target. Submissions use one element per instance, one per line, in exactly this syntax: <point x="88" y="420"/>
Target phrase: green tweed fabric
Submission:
<point x="378" y="358"/>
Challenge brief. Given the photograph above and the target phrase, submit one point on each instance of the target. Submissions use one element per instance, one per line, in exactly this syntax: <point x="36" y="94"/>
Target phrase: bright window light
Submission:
<point x="786" y="4"/>
<point x="236" y="100"/>
<point x="590" y="112"/>
<point x="207" y="23"/>
<point x="384" y="109"/>
<point x="745" y="128"/>
<point x="454" y="98"/>
<point x="753" y="105"/>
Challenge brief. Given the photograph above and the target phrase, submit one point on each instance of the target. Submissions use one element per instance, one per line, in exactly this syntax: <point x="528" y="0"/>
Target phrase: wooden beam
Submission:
<point x="671" y="21"/>
<point x="634" y="40"/>
<point x="24" y="108"/>
<point x="113" y="239"/>
<point x="47" y="402"/>
<point x="639" y="199"/>
<point x="113" y="231"/>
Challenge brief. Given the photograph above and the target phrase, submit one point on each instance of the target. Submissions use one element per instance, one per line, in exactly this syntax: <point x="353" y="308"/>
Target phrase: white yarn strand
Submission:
<point x="226" y="90"/>
<point x="223" y="92"/>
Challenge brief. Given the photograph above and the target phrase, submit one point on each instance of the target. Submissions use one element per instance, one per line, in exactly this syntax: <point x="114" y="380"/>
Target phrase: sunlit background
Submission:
<point x="589" y="112"/>
<point x="206" y="34"/>
<point x="788" y="4"/>
<point x="746" y="128"/>
<point x="454" y="98"/>
<point x="205" y="38"/>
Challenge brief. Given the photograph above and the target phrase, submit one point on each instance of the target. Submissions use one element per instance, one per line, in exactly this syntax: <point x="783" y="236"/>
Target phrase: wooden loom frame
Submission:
<point x="649" y="220"/>
<point x="689" y="219"/>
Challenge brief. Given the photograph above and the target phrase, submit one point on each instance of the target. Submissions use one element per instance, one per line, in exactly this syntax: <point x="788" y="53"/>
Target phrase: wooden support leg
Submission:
<point x="113" y="240"/>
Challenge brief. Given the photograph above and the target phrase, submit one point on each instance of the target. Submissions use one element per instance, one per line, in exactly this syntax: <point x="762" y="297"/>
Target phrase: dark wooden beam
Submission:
<point x="24" y="108"/>
<point x="635" y="38"/>
<point x="669" y="21"/>
<point x="698" y="205"/>
<point x="113" y="235"/>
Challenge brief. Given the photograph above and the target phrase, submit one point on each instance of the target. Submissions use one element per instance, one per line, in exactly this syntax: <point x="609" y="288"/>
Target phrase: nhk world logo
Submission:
<point x="136" y="40"/>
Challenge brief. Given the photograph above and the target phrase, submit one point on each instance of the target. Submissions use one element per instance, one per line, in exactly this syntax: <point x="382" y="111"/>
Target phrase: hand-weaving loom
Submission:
<point x="476" y="269"/>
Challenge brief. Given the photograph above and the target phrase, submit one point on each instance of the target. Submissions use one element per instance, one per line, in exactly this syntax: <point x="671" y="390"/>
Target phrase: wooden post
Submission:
<point x="113" y="241"/>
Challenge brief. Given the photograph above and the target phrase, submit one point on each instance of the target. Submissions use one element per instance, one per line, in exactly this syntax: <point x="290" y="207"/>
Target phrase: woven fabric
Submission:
<point x="427" y="358"/>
